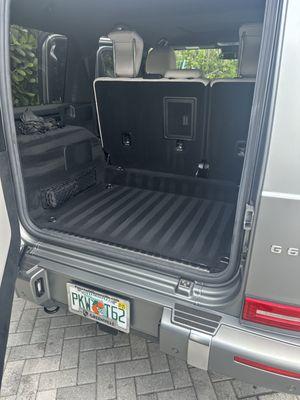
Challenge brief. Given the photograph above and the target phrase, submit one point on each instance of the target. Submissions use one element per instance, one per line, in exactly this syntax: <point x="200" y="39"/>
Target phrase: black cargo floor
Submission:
<point x="188" y="229"/>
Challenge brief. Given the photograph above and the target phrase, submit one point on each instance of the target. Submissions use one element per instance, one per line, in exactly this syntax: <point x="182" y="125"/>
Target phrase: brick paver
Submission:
<point x="63" y="356"/>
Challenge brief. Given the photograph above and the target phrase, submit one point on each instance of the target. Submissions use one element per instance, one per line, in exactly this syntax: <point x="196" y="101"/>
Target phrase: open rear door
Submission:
<point x="9" y="245"/>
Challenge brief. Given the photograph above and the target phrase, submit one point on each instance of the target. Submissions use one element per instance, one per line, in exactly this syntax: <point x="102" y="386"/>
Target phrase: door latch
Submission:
<point x="248" y="218"/>
<point x="185" y="287"/>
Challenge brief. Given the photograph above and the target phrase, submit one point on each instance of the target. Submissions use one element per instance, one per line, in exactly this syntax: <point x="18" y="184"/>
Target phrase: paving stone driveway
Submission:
<point x="66" y="357"/>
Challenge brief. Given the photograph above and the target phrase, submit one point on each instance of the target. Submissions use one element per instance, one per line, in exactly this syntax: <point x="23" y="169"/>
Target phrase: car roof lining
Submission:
<point x="182" y="23"/>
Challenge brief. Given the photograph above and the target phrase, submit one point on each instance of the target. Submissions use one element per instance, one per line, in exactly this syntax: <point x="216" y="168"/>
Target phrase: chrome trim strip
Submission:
<point x="280" y="195"/>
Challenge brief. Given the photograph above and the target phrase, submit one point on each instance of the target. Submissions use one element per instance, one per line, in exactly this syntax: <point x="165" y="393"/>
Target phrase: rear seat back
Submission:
<point x="230" y="103"/>
<point x="152" y="124"/>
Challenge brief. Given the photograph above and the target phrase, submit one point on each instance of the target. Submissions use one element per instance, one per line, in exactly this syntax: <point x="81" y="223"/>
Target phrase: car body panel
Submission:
<point x="271" y="275"/>
<point x="274" y="265"/>
<point x="9" y="246"/>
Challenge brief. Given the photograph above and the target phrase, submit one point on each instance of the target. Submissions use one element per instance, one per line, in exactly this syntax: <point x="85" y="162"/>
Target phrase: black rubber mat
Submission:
<point x="189" y="229"/>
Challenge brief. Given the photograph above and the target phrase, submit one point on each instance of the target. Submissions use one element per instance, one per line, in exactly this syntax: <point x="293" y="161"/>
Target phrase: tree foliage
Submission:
<point x="208" y="61"/>
<point x="24" y="66"/>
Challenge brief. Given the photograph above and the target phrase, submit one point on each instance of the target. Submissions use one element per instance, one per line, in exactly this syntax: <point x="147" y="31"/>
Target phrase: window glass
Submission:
<point x="38" y="63"/>
<point x="53" y="68"/>
<point x="209" y="61"/>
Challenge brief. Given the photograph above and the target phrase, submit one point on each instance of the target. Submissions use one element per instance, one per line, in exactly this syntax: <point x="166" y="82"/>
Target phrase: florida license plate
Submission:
<point x="100" y="307"/>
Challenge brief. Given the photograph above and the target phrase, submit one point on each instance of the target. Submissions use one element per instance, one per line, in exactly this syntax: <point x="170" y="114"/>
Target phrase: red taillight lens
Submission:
<point x="272" y="314"/>
<point x="267" y="368"/>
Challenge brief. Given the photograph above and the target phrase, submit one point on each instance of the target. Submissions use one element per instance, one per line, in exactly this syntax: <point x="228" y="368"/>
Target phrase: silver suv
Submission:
<point x="150" y="186"/>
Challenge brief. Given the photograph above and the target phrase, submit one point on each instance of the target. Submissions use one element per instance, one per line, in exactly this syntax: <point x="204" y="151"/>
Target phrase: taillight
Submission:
<point x="267" y="368"/>
<point x="272" y="314"/>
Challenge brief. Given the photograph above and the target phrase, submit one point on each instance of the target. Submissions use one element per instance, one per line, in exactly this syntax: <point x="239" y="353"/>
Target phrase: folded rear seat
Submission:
<point x="230" y="104"/>
<point x="150" y="124"/>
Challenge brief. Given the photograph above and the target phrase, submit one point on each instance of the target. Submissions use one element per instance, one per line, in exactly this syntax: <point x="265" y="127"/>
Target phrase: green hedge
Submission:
<point x="24" y="66"/>
<point x="208" y="61"/>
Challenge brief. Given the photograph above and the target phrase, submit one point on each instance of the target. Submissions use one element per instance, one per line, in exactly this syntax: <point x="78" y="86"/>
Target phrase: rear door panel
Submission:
<point x="274" y="272"/>
<point x="9" y="246"/>
<point x="5" y="233"/>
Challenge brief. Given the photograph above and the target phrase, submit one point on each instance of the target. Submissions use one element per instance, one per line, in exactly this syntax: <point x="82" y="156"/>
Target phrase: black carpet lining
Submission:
<point x="188" y="229"/>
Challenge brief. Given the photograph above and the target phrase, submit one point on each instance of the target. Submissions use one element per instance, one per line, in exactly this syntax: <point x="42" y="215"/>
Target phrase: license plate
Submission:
<point x="100" y="307"/>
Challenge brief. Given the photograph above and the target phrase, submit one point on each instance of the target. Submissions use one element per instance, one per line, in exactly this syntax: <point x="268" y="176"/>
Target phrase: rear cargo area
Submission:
<point x="73" y="189"/>
<point x="148" y="157"/>
<point x="158" y="220"/>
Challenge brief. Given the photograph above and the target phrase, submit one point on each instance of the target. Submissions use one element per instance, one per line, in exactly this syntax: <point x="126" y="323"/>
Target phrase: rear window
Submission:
<point x="210" y="62"/>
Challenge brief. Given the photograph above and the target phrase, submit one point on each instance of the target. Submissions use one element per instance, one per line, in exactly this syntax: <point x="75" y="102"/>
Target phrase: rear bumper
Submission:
<point x="231" y="341"/>
<point x="213" y="346"/>
<point x="217" y="352"/>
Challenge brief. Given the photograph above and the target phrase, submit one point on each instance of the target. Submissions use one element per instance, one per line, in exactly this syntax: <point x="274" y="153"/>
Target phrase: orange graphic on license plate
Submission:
<point x="97" y="305"/>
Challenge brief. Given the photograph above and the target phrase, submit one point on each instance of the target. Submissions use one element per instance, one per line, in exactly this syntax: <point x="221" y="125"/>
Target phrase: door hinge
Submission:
<point x="248" y="218"/>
